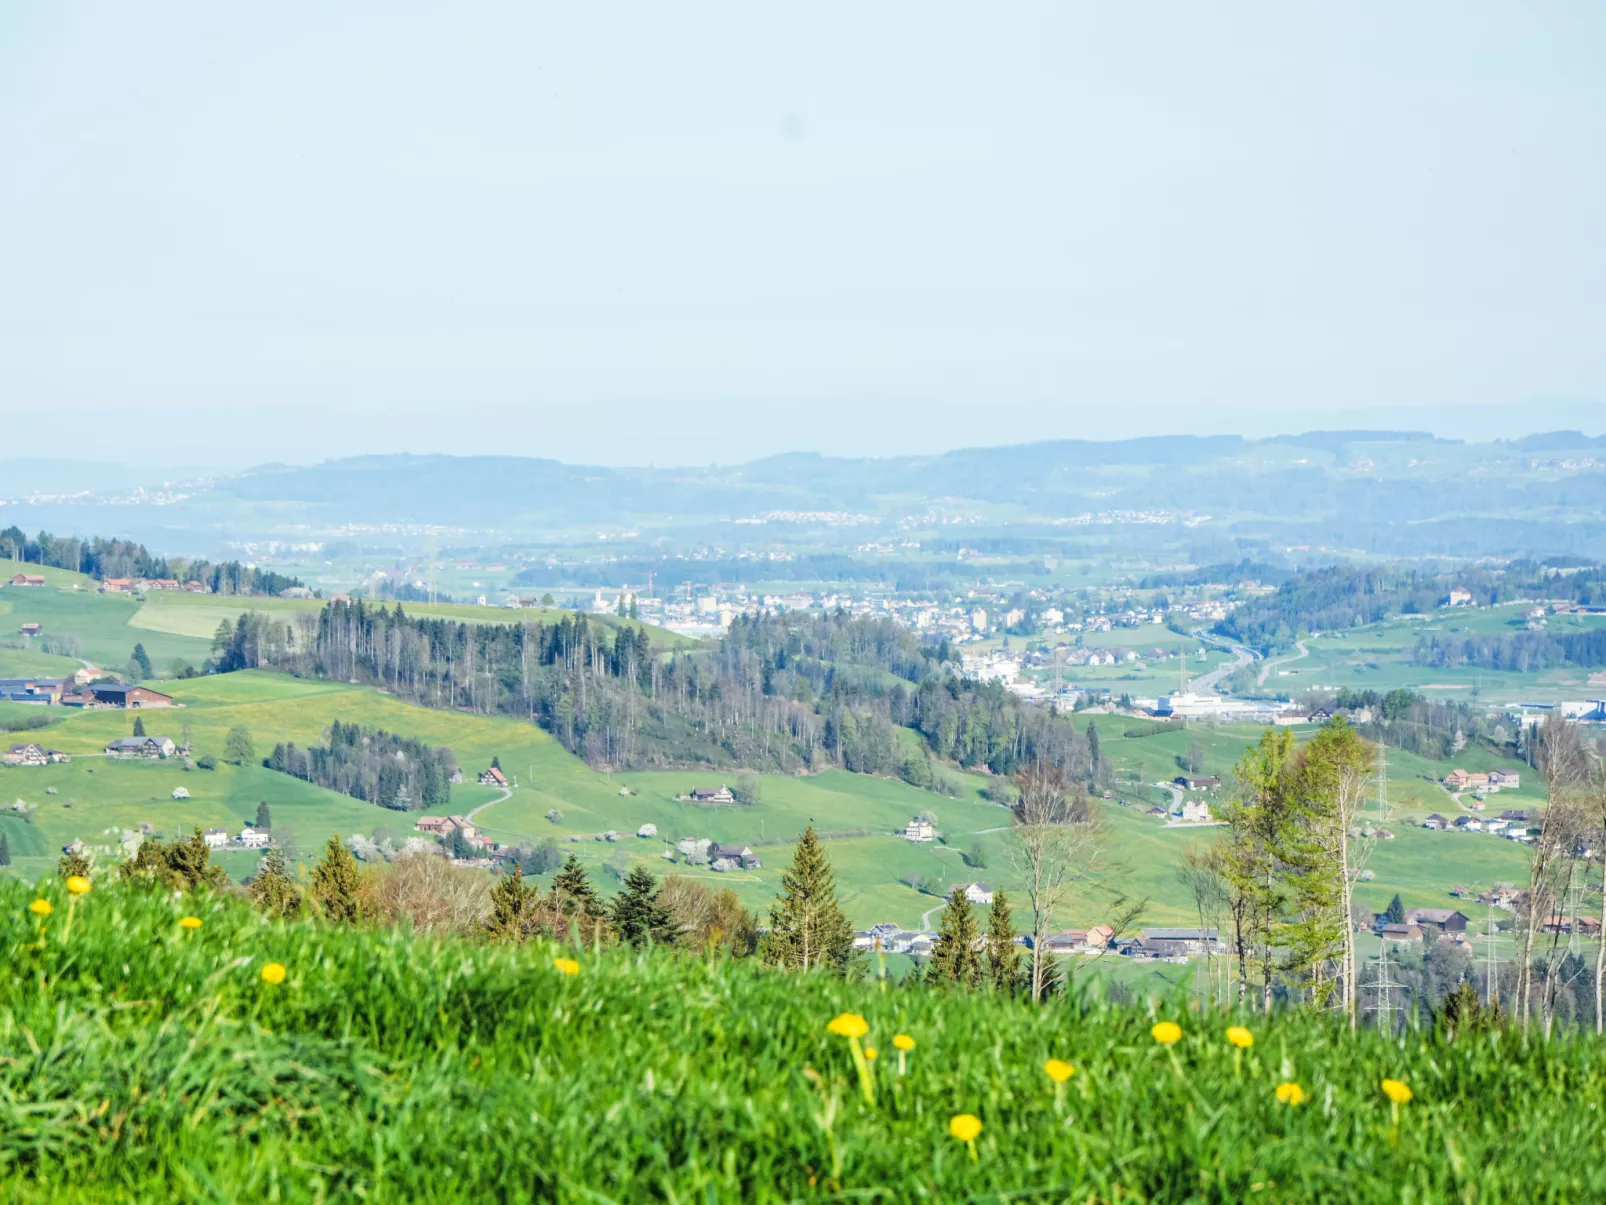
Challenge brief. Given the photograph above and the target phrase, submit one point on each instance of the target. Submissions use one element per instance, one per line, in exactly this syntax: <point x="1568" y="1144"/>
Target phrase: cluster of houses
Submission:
<point x="719" y="794"/>
<point x="1172" y="944"/>
<point x="141" y="585"/>
<point x="76" y="692"/>
<point x="446" y="827"/>
<point x="1495" y="780"/>
<point x="248" y="838"/>
<point x="700" y="851"/>
<point x="143" y="746"/>
<point x="1512" y="824"/>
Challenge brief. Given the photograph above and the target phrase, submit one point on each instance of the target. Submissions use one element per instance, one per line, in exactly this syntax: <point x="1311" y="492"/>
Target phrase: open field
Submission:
<point x="102" y="624"/>
<point x="386" y="1066"/>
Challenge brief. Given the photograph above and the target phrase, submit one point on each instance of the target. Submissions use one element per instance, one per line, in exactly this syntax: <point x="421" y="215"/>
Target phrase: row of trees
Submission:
<point x="103" y="558"/>
<point x="1519" y="652"/>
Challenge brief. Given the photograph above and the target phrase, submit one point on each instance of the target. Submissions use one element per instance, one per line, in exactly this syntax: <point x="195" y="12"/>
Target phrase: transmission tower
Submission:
<point x="1384" y="983"/>
<point x="1570" y="905"/>
<point x="431" y="552"/>
<point x="1382" y="784"/>
<point x="1491" y="993"/>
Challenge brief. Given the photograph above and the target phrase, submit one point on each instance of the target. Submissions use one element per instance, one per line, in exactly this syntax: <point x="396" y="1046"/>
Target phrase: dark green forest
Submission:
<point x="103" y="558"/>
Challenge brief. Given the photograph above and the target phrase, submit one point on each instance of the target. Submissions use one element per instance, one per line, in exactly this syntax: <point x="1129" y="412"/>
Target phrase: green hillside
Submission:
<point x="303" y="1062"/>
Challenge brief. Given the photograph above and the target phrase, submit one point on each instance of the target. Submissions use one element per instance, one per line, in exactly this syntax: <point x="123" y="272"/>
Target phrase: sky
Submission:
<point x="702" y="232"/>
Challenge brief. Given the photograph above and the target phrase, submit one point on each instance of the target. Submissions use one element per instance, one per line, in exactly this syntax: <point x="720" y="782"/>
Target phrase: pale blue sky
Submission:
<point x="703" y="231"/>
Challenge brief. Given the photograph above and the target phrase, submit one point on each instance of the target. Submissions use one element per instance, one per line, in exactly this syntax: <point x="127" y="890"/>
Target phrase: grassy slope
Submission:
<point x="101" y="622"/>
<point x="152" y="1064"/>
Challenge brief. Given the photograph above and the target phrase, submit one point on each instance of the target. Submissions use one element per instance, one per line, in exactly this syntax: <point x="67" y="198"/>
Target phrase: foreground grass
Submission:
<point x="143" y="1061"/>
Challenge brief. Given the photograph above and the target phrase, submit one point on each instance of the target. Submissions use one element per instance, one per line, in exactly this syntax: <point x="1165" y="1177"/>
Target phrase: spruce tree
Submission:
<point x="5" y="851"/>
<point x="637" y="915"/>
<point x="139" y="725"/>
<point x="188" y="864"/>
<point x="513" y="907"/>
<point x="1002" y="968"/>
<point x="807" y="928"/>
<point x="956" y="958"/>
<point x="272" y="891"/>
<point x="142" y="659"/>
<point x="336" y="882"/>
<point x="575" y="903"/>
<point x="264" y="822"/>
<point x="71" y="863"/>
<point x="1396" y="910"/>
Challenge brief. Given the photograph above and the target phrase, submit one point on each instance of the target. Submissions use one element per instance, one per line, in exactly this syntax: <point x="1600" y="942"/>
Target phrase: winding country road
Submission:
<point x="1271" y="665"/>
<point x="507" y="793"/>
<point x="1206" y="683"/>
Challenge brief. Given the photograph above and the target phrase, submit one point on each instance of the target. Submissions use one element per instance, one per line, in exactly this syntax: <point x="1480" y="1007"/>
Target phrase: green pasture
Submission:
<point x="103" y="625"/>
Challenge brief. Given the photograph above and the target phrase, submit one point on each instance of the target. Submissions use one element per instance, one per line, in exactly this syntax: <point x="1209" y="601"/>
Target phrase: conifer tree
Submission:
<point x="139" y="725"/>
<point x="264" y="822"/>
<point x="71" y="863"/>
<point x="956" y="958"/>
<point x="188" y="864"/>
<point x="1396" y="910"/>
<point x="142" y="660"/>
<point x="807" y="928"/>
<point x="5" y="852"/>
<point x="272" y="891"/>
<point x="514" y="904"/>
<point x="574" y="902"/>
<point x="336" y="882"/>
<point x="1002" y="967"/>
<point x="637" y="915"/>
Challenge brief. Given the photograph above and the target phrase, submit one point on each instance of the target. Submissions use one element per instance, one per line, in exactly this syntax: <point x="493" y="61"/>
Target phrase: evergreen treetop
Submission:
<point x="637" y="915"/>
<point x="807" y="927"/>
<point x="336" y="881"/>
<point x="956" y="958"/>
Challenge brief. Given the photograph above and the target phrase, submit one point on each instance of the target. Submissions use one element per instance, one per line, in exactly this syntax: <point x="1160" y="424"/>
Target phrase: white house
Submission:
<point x="919" y="830"/>
<point x="216" y="838"/>
<point x="1195" y="810"/>
<point x="647" y="830"/>
<point x="252" y="839"/>
<point x="978" y="893"/>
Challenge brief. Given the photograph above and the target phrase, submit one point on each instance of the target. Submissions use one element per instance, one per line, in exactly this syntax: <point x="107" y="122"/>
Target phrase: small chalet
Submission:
<point x="438" y="825"/>
<point x="1400" y="932"/>
<point x="1506" y="780"/>
<point x="1436" y="821"/>
<point x="493" y="777"/>
<point x="736" y="855"/>
<point x="25" y="755"/>
<point x="216" y="838"/>
<point x="28" y="579"/>
<point x="919" y="830"/>
<point x="30" y="629"/>
<point x="977" y="893"/>
<point x="1451" y="920"/>
<point x="712" y="795"/>
<point x="253" y="838"/>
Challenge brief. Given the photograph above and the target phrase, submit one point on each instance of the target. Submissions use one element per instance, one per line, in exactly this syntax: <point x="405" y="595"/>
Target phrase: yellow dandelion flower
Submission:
<point x="1292" y="1094"/>
<point x="870" y="1053"/>
<point x="78" y="885"/>
<point x="1166" y="1032"/>
<point x="903" y="1041"/>
<point x="1396" y="1091"/>
<point x="849" y="1025"/>
<point x="1058" y="1070"/>
<point x="964" y="1126"/>
<point x="189" y="922"/>
<point x="567" y="965"/>
<point x="1240" y="1037"/>
<point x="273" y="973"/>
<point x="41" y="907"/>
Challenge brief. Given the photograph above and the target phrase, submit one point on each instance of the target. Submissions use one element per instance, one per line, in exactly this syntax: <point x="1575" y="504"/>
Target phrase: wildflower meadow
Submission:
<point x="189" y="1049"/>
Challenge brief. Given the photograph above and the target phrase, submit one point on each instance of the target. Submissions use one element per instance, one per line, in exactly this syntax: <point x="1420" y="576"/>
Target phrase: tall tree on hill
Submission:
<point x="238" y="747"/>
<point x="337" y="882"/>
<point x="807" y="928"/>
<point x="272" y="891"/>
<point x="575" y="904"/>
<point x="1256" y="821"/>
<point x="5" y="851"/>
<point x="1395" y="913"/>
<point x="1095" y="756"/>
<point x="514" y="907"/>
<point x="139" y="725"/>
<point x="637" y="915"/>
<point x="956" y="958"/>
<point x="142" y="659"/>
<point x="264" y="821"/>
<point x="1002" y="968"/>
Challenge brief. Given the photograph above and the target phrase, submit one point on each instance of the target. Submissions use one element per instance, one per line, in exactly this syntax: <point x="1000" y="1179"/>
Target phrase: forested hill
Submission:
<point x="1347" y="596"/>
<point x="778" y="692"/>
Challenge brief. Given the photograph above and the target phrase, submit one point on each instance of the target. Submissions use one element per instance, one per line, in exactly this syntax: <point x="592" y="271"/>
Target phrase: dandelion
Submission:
<point x="849" y="1025"/>
<point x="1240" y="1037"/>
<point x="965" y="1127"/>
<point x="41" y="908"/>
<point x="870" y="1053"/>
<point x="189" y="922"/>
<point x="903" y="1043"/>
<point x="78" y="885"/>
<point x="1166" y="1032"/>
<point x="1058" y="1070"/>
<point x="853" y="1027"/>
<point x="567" y="965"/>
<point x="1292" y="1094"/>
<point x="273" y="973"/>
<point x="1396" y="1091"/>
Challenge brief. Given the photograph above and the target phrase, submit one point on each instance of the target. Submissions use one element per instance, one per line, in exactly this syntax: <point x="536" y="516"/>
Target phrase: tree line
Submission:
<point x="370" y="764"/>
<point x="112" y="558"/>
<point x="1520" y="652"/>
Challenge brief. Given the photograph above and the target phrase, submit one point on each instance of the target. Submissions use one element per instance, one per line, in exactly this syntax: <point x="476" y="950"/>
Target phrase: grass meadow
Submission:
<point x="144" y="1061"/>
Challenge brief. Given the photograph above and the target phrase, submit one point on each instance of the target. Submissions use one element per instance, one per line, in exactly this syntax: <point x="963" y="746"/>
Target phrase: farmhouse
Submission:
<point x="32" y="690"/>
<point x="439" y="825"/>
<point x="1400" y="932"/>
<point x="111" y="695"/>
<point x="1449" y="919"/>
<point x="712" y="795"/>
<point x="28" y="579"/>
<point x="216" y="838"/>
<point x="1197" y="782"/>
<point x="1172" y="943"/>
<point x="30" y="629"/>
<point x="919" y="830"/>
<point x="25" y="755"/>
<point x="493" y="778"/>
<point x="1436" y="821"/>
<point x="1462" y="780"/>
<point x="253" y="838"/>
<point x="142" y="746"/>
<point x="736" y="855"/>
<point x="117" y="585"/>
<point x="1508" y="780"/>
<point x="977" y="893"/>
<point x="1195" y="810"/>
